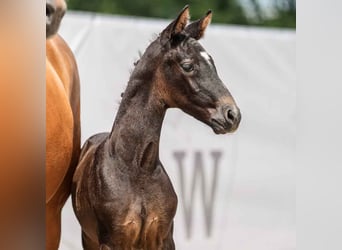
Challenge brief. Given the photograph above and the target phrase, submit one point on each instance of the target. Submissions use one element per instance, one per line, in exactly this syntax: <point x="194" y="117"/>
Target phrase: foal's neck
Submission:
<point x="136" y="131"/>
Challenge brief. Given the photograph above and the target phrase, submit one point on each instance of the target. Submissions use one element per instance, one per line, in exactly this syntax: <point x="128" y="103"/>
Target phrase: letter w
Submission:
<point x="207" y="199"/>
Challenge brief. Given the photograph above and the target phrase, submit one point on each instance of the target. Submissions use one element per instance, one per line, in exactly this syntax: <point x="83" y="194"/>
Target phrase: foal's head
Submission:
<point x="55" y="10"/>
<point x="187" y="77"/>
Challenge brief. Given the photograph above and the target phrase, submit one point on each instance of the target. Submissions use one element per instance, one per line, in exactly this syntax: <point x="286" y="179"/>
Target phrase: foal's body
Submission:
<point x="122" y="196"/>
<point x="131" y="180"/>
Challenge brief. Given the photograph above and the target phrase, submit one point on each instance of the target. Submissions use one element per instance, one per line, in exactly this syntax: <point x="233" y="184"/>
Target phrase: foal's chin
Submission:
<point x="222" y="131"/>
<point x="222" y="128"/>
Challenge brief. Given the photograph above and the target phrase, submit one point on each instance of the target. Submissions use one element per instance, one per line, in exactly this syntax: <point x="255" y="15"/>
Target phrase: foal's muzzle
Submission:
<point x="225" y="119"/>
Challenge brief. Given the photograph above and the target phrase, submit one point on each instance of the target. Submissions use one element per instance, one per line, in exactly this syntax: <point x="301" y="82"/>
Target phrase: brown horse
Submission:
<point x="122" y="196"/>
<point x="62" y="122"/>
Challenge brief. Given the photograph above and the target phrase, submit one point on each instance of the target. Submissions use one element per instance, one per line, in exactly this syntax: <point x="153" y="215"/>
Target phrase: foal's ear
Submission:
<point x="176" y="26"/>
<point x="196" y="29"/>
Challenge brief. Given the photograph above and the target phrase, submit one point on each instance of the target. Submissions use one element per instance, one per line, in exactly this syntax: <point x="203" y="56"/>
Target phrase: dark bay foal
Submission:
<point x="122" y="196"/>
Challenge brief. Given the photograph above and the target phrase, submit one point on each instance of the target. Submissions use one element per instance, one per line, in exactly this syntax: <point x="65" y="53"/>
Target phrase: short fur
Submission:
<point x="122" y="195"/>
<point x="62" y="132"/>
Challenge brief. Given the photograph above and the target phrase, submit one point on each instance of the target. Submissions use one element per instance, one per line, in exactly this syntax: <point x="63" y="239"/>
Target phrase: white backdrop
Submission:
<point x="250" y="203"/>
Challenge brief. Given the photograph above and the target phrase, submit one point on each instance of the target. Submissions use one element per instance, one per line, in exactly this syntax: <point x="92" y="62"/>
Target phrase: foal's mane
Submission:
<point x="140" y="76"/>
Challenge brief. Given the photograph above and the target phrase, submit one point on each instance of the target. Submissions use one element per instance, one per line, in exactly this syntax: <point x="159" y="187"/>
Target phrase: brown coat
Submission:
<point x="62" y="131"/>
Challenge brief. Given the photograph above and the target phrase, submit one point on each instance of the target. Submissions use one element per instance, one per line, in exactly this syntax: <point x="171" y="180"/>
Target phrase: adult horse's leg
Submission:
<point x="55" y="205"/>
<point x="53" y="226"/>
<point x="54" y="210"/>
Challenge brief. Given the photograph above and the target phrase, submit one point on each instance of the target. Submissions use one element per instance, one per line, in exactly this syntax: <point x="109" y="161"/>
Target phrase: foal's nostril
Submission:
<point x="231" y="115"/>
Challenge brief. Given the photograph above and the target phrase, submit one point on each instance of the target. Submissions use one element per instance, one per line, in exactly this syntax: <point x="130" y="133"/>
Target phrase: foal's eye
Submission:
<point x="187" y="67"/>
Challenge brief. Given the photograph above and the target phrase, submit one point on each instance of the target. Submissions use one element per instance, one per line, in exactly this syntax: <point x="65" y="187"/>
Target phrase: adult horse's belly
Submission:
<point x="59" y="132"/>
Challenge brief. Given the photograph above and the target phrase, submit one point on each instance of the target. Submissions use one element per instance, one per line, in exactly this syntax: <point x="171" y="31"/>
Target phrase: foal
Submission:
<point x="122" y="196"/>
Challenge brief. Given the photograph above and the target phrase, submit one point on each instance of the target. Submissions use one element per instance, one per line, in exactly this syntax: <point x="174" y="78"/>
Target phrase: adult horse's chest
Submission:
<point x="59" y="130"/>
